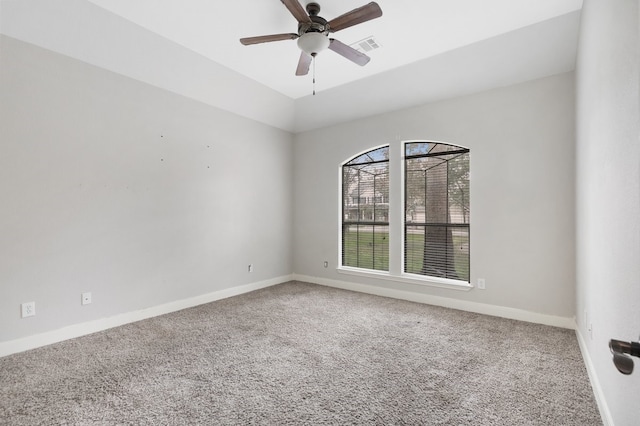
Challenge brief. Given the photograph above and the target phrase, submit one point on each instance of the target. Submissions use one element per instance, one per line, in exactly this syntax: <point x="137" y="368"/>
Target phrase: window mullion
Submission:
<point x="359" y="219"/>
<point x="396" y="207"/>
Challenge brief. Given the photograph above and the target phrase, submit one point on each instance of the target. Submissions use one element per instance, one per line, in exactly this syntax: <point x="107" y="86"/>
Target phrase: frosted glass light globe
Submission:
<point x="312" y="43"/>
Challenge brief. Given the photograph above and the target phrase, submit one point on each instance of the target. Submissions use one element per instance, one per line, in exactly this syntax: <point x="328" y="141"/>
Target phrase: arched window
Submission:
<point x="436" y="231"/>
<point x="365" y="210"/>
<point x="430" y="244"/>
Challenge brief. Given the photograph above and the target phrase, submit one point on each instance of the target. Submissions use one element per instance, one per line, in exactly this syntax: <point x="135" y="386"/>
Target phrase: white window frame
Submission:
<point x="396" y="226"/>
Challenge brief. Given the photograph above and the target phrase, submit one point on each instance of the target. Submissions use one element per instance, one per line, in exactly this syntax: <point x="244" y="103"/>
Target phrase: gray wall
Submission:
<point x="133" y="193"/>
<point x="608" y="193"/>
<point x="145" y="197"/>
<point x="522" y="195"/>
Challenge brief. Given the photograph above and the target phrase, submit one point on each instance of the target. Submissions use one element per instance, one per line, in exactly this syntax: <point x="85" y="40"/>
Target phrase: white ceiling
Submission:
<point x="431" y="50"/>
<point x="409" y="30"/>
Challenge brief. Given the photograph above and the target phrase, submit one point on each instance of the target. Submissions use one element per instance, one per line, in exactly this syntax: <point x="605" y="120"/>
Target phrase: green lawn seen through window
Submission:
<point x="364" y="248"/>
<point x="374" y="251"/>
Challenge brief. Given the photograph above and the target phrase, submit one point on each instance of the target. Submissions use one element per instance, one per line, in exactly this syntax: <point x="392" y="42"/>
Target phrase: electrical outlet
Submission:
<point x="482" y="284"/>
<point x="86" y="298"/>
<point x="250" y="268"/>
<point x="326" y="264"/>
<point x="28" y="309"/>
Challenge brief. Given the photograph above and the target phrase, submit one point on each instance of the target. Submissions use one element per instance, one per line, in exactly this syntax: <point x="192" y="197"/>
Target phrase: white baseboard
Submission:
<point x="89" y="327"/>
<point x="82" y="329"/>
<point x="605" y="413"/>
<point x="480" y="308"/>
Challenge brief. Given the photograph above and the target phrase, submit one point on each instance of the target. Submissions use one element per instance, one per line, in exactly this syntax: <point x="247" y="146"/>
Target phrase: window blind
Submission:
<point x="365" y="211"/>
<point x="436" y="232"/>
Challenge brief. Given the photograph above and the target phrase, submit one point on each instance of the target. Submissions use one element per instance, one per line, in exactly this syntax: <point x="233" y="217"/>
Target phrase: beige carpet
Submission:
<point x="305" y="354"/>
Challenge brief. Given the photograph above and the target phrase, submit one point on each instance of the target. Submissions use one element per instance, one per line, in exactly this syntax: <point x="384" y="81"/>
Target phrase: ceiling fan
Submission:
<point x="313" y="32"/>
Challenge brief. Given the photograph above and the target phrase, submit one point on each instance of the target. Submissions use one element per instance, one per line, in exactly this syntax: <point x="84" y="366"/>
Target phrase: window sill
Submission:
<point x="408" y="278"/>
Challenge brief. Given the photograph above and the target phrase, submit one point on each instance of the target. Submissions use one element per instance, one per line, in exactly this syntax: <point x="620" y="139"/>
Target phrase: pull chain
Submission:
<point x="313" y="59"/>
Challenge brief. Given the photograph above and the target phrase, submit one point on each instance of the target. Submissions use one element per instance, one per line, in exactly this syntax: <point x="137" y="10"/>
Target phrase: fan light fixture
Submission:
<point x="313" y="33"/>
<point x="313" y="43"/>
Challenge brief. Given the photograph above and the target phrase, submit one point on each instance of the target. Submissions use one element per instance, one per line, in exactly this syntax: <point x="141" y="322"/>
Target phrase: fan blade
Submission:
<point x="348" y="52"/>
<point x="303" y="64"/>
<point x="267" y="38"/>
<point x="356" y="16"/>
<point x="297" y="10"/>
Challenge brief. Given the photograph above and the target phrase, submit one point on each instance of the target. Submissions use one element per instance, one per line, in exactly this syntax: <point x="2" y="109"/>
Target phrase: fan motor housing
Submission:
<point x="318" y="23"/>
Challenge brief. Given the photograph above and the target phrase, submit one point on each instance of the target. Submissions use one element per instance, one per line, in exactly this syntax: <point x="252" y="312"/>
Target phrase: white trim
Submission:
<point x="89" y="327"/>
<point x="341" y="189"/>
<point x="396" y="207"/>
<point x="480" y="308"/>
<point x="403" y="216"/>
<point x="408" y="278"/>
<point x="605" y="413"/>
<point x="340" y="213"/>
<point x="397" y="220"/>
